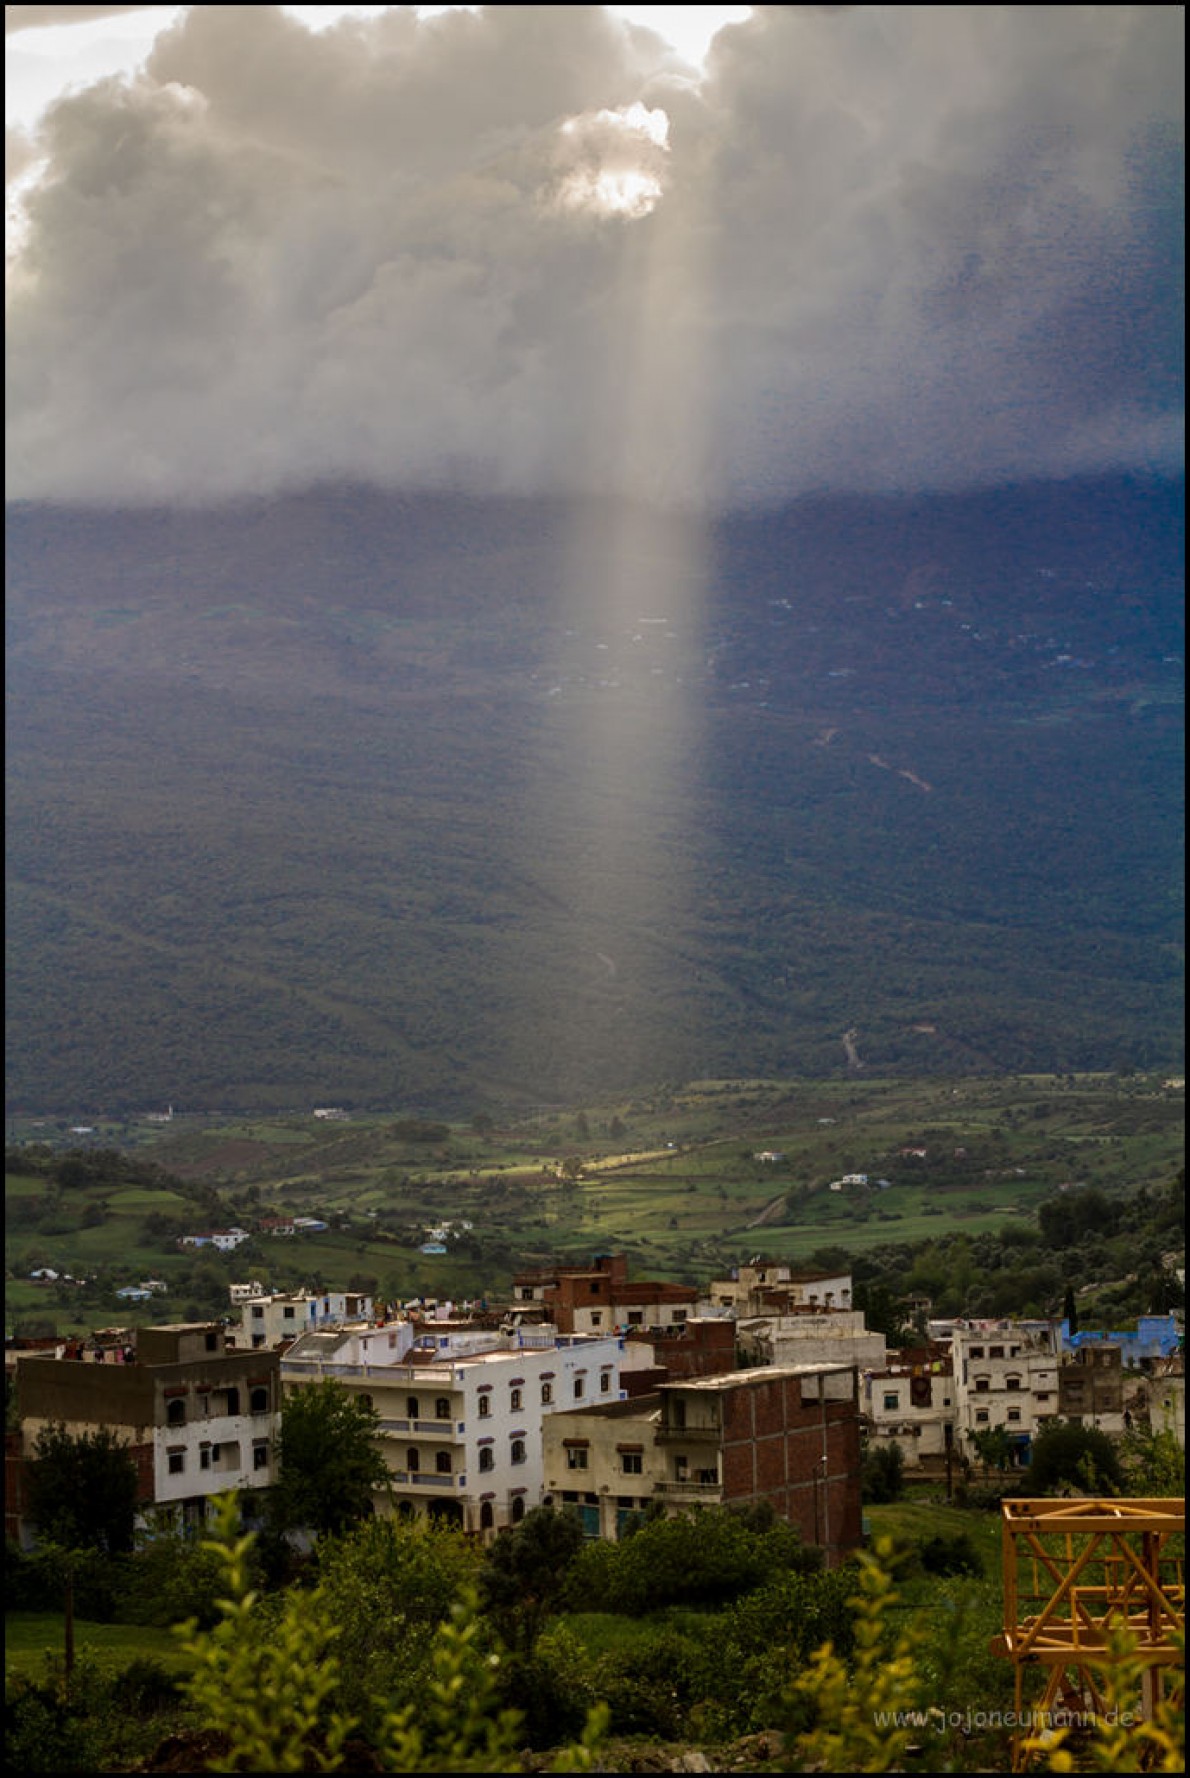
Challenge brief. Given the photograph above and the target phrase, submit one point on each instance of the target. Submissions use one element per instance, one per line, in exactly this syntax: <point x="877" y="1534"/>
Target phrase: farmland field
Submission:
<point x="688" y="1181"/>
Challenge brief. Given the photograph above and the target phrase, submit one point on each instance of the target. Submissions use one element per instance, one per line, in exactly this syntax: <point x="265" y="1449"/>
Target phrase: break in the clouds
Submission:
<point x="525" y="248"/>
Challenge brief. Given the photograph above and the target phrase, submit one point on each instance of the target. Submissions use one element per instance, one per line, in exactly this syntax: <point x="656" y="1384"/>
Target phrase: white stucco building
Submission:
<point x="461" y="1408"/>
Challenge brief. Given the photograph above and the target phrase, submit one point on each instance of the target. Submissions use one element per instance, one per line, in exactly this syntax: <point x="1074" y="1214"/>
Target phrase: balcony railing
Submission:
<point x="441" y="1429"/>
<point x="703" y="1490"/>
<point x="424" y="1478"/>
<point x="678" y="1434"/>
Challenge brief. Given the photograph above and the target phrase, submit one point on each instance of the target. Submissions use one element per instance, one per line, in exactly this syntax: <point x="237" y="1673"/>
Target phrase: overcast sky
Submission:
<point x="533" y="248"/>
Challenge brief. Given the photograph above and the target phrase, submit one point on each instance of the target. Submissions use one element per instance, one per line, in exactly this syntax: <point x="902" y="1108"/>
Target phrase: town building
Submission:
<point x="1164" y="1404"/>
<point x="600" y="1298"/>
<point x="910" y="1402"/>
<point x="272" y="1316"/>
<point x="808" y="1336"/>
<point x="1154" y="1337"/>
<point x="1091" y="1388"/>
<point x="462" y="1406"/>
<point x="223" y="1240"/>
<point x="1006" y="1375"/>
<point x="772" y="1287"/>
<point x="789" y="1436"/>
<point x="199" y="1419"/>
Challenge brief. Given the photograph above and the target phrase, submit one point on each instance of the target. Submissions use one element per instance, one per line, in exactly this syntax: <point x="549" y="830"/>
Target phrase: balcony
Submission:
<point x="440" y="1429"/>
<point x="425" y="1478"/>
<point x="692" y="1490"/>
<point x="676" y="1435"/>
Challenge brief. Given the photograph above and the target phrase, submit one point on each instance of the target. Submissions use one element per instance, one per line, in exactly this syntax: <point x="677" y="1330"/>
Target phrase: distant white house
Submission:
<point x="225" y="1240"/>
<point x="335" y="1112"/>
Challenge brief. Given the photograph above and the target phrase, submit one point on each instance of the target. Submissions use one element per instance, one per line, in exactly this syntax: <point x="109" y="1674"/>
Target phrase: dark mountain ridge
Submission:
<point x="441" y="801"/>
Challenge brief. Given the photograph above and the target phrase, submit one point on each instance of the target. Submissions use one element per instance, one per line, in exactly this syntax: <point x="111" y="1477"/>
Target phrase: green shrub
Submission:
<point x="950" y="1555"/>
<point x="169" y="1580"/>
<point x="709" y="1557"/>
<point x="883" y="1474"/>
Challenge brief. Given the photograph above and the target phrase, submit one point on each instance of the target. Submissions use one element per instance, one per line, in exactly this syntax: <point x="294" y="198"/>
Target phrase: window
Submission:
<point x="982" y="1416"/>
<point x="576" y="1458"/>
<point x="605" y="1383"/>
<point x="486" y="1458"/>
<point x="518" y="1450"/>
<point x="679" y="1316"/>
<point x="412" y="1408"/>
<point x="442" y="1408"/>
<point x="982" y="1385"/>
<point x="175" y="1414"/>
<point x="232" y="1405"/>
<point x="995" y="1351"/>
<point x="176" y="1462"/>
<point x="412" y="1459"/>
<point x="516" y="1400"/>
<point x="547" y="1393"/>
<point x="892" y="1400"/>
<point x="580" y="1388"/>
<point x="260" y="1456"/>
<point x="631" y="1462"/>
<point x="1012" y="1382"/>
<point x="442" y="1462"/>
<point x="211" y="1342"/>
<point x="258" y="1314"/>
<point x="518" y="1509"/>
<point x="636" y="1317"/>
<point x="204" y="1457"/>
<point x="485" y="1406"/>
<point x="288" y="1314"/>
<point x="258" y="1401"/>
<point x="1014" y="1415"/>
<point x="526" y="1293"/>
<point x="596" y="1317"/>
<point x="977" y="1351"/>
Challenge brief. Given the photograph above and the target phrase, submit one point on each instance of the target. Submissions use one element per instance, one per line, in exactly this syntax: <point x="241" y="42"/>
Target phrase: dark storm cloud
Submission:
<point x="892" y="246"/>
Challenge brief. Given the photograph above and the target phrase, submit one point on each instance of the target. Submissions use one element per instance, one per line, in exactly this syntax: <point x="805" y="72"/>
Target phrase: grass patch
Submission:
<point x="28" y="1635"/>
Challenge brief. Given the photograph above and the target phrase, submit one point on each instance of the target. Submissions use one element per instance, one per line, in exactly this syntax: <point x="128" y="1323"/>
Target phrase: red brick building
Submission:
<point x="600" y="1298"/>
<point x="788" y="1436"/>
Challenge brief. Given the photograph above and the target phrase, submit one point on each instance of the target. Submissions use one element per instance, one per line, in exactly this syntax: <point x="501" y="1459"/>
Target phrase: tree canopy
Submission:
<point x="329" y="1464"/>
<point x="82" y="1490"/>
<point x="1074" y="1458"/>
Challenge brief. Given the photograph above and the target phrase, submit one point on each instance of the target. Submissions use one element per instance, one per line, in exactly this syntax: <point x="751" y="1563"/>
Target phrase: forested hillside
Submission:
<point x="346" y="798"/>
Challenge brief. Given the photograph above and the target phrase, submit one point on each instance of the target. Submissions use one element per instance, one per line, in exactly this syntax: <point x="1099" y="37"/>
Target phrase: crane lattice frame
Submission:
<point x="1075" y="1571"/>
